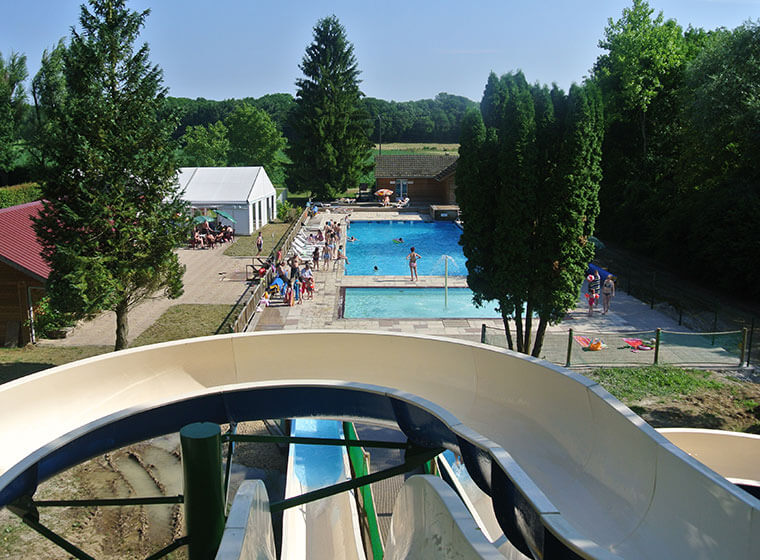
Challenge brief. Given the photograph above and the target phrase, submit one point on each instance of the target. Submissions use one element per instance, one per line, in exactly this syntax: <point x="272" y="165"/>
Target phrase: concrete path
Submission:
<point x="211" y="277"/>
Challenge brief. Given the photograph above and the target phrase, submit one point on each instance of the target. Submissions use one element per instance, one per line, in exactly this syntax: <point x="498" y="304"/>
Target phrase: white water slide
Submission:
<point x="570" y="470"/>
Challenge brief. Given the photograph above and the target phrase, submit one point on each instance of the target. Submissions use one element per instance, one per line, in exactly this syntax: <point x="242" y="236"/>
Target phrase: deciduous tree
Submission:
<point x="254" y="139"/>
<point x="206" y="146"/>
<point x="112" y="213"/>
<point x="330" y="149"/>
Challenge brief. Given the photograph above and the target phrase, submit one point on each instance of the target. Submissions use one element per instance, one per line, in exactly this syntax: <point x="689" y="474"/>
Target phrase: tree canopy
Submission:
<point x="111" y="214"/>
<point x="206" y="146"/>
<point x="527" y="190"/>
<point x="12" y="75"/>
<point x="330" y="147"/>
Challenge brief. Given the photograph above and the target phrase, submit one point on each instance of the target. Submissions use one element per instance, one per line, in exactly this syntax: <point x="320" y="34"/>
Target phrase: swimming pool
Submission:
<point x="376" y="248"/>
<point x="414" y="303"/>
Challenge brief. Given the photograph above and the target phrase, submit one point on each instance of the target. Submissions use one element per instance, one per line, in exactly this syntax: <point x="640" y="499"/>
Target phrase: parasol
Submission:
<point x="225" y="216"/>
<point x="201" y="219"/>
<point x="383" y="192"/>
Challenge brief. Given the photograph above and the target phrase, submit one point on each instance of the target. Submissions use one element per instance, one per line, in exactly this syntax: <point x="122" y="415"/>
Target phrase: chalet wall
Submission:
<point x="424" y="189"/>
<point x="14" y="306"/>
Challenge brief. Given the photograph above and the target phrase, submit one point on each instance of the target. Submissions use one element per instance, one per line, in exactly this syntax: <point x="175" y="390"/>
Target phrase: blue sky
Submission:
<point x="406" y="49"/>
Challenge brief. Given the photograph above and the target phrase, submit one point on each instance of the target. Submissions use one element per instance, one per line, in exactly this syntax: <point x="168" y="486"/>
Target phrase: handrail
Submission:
<point x="249" y="309"/>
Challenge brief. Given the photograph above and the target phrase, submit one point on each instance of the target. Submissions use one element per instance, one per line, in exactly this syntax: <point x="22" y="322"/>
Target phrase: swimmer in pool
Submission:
<point x="399" y="240"/>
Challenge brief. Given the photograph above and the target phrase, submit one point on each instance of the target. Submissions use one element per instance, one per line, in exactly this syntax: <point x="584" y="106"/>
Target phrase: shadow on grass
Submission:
<point x="16" y="370"/>
<point x="668" y="417"/>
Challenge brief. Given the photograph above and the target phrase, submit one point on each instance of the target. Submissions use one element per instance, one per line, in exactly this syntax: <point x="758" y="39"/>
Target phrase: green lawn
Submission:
<point x="19" y="362"/>
<point x="633" y="384"/>
<point x="189" y="321"/>
<point x="245" y="246"/>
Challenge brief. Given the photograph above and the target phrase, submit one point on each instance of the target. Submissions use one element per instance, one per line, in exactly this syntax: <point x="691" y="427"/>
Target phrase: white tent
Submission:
<point x="245" y="193"/>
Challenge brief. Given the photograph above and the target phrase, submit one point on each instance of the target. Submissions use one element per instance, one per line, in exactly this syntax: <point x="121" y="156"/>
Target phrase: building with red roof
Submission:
<point x="23" y="272"/>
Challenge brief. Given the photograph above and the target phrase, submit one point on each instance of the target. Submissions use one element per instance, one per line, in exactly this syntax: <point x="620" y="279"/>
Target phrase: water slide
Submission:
<point x="572" y="473"/>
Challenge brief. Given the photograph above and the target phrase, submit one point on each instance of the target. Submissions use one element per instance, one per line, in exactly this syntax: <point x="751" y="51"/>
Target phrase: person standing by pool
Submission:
<point x="413" y="257"/>
<point x="315" y="258"/>
<point x="341" y="256"/>
<point x="608" y="291"/>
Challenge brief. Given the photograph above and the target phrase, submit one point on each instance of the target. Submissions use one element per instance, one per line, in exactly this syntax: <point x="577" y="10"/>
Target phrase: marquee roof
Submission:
<point x="224" y="185"/>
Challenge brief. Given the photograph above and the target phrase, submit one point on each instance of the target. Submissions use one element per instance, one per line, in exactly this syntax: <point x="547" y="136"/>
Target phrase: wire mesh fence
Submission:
<point x="636" y="348"/>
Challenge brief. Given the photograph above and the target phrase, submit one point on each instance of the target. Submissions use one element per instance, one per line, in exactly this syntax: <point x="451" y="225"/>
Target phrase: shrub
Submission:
<point x="47" y="321"/>
<point x="19" y="194"/>
<point x="286" y="212"/>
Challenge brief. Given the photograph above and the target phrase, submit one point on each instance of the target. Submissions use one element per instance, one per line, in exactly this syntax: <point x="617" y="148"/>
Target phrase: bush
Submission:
<point x="48" y="321"/>
<point x="19" y="194"/>
<point x="286" y="212"/>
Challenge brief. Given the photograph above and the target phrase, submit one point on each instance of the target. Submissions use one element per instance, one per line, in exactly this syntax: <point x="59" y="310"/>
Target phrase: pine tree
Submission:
<point x="330" y="148"/>
<point x="112" y="213"/>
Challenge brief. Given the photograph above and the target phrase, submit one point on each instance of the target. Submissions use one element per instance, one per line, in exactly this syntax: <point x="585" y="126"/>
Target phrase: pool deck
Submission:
<point x="627" y="315"/>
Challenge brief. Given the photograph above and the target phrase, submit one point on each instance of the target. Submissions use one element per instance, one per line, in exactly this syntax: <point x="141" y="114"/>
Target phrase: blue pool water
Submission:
<point x="412" y="303"/>
<point x="431" y="240"/>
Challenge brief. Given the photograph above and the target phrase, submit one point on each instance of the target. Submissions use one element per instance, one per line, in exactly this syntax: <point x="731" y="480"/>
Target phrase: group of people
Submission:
<point x="331" y="239"/>
<point x="204" y="236"/>
<point x="297" y="283"/>
<point x="597" y="288"/>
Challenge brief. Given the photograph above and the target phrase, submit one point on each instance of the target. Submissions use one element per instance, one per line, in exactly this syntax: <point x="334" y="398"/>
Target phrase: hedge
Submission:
<point x="19" y="194"/>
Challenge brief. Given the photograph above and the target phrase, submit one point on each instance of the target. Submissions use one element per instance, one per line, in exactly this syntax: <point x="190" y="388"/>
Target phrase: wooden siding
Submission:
<point x="426" y="190"/>
<point x="13" y="305"/>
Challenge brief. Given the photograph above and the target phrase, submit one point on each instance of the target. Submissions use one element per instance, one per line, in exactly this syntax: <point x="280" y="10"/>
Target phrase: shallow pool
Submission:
<point x="413" y="303"/>
<point x="376" y="248"/>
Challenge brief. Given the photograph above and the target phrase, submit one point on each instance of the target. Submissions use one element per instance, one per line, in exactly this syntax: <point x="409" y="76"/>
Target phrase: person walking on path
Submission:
<point x="413" y="257"/>
<point x="608" y="292"/>
<point x="259" y="244"/>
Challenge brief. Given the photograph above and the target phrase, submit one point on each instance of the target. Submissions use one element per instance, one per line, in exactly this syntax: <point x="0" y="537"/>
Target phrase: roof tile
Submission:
<point x="411" y="166"/>
<point x="19" y="245"/>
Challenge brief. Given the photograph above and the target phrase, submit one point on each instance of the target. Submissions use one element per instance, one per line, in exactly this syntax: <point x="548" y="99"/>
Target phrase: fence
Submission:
<point x="593" y="349"/>
<point x="251" y="306"/>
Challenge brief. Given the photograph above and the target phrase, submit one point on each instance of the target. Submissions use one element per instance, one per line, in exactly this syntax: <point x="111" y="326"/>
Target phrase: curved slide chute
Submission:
<point x="571" y="471"/>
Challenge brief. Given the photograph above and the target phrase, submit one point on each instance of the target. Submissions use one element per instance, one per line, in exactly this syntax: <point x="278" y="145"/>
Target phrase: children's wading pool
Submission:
<point x="414" y="303"/>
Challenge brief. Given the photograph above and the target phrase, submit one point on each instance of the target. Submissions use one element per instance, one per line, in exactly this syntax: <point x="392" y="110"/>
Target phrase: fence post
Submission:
<point x="569" y="347"/>
<point x="657" y="346"/>
<point x="483" y="333"/>
<point x="743" y="346"/>
<point x="204" y="501"/>
<point x="749" y="345"/>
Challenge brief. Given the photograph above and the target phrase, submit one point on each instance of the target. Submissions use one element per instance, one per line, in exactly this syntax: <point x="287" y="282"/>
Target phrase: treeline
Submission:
<point x="680" y="154"/>
<point x="436" y="120"/>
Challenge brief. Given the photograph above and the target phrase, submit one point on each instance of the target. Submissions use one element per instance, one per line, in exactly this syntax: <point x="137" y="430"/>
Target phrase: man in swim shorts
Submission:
<point x="413" y="257"/>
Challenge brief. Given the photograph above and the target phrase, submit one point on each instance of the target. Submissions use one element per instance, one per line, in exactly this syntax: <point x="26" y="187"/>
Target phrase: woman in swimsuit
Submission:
<point x="413" y="257"/>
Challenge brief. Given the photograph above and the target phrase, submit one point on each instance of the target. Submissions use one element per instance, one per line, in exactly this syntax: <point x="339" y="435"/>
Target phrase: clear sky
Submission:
<point x="406" y="49"/>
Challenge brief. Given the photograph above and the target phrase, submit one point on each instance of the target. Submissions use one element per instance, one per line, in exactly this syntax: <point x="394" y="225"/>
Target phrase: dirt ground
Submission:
<point x="735" y="407"/>
<point x="149" y="468"/>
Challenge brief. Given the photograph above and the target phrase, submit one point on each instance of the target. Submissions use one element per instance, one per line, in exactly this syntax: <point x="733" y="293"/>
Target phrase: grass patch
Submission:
<point x="633" y="384"/>
<point x="190" y="321"/>
<point x="19" y="362"/>
<point x="245" y="246"/>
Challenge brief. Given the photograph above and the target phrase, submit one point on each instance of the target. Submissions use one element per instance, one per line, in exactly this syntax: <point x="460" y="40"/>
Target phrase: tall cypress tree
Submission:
<point x="112" y="213"/>
<point x="330" y="149"/>
<point x="527" y="189"/>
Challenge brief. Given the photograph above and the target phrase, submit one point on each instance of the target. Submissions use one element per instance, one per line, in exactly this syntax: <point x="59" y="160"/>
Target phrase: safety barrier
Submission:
<point x="594" y="349"/>
<point x="360" y="467"/>
<point x="252" y="304"/>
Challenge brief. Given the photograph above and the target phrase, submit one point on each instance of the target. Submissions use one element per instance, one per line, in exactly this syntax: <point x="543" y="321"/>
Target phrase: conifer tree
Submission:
<point x="527" y="188"/>
<point x="112" y="213"/>
<point x="330" y="149"/>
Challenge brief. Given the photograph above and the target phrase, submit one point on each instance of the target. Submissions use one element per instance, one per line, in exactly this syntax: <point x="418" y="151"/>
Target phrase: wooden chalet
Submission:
<point x="423" y="178"/>
<point x="23" y="272"/>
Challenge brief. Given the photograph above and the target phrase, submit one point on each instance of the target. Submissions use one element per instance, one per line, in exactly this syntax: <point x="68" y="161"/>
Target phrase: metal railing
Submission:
<point x="595" y="349"/>
<point x="252" y="304"/>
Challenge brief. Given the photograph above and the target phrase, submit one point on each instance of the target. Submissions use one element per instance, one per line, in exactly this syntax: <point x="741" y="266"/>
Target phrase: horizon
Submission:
<point x="404" y="52"/>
